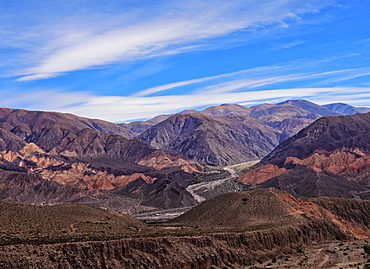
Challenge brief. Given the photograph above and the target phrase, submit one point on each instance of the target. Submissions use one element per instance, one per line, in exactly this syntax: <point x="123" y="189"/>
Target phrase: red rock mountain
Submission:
<point x="331" y="157"/>
<point x="67" y="159"/>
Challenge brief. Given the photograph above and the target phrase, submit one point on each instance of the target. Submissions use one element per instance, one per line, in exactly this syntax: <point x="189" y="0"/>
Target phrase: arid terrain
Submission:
<point x="256" y="229"/>
<point x="304" y="205"/>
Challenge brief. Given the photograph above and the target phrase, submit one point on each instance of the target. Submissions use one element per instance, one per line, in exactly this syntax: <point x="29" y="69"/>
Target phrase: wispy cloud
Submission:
<point x="89" y="41"/>
<point x="119" y="109"/>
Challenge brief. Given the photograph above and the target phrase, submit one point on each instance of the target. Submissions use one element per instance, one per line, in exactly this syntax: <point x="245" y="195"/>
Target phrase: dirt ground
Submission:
<point x="329" y="255"/>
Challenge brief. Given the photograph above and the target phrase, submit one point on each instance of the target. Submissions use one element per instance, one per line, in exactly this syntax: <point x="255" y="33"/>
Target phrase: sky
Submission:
<point x="126" y="60"/>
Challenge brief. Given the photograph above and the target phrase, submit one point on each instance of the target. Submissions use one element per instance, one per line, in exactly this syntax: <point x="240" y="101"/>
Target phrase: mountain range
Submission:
<point x="51" y="158"/>
<point x="230" y="134"/>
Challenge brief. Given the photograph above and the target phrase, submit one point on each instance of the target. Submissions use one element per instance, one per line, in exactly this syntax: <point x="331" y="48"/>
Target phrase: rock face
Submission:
<point x="213" y="140"/>
<point x="266" y="223"/>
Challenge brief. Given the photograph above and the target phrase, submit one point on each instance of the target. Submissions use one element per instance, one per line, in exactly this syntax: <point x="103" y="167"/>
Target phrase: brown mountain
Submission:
<point x="23" y="122"/>
<point x="69" y="159"/>
<point x="285" y="117"/>
<point x="328" y="158"/>
<point x="213" y="140"/>
<point x="327" y="133"/>
<point x="221" y="131"/>
<point x="275" y="208"/>
<point x="226" y="110"/>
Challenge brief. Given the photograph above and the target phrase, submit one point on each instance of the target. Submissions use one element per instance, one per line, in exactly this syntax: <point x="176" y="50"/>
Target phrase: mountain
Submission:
<point x="136" y="127"/>
<point x="213" y="140"/>
<point x="330" y="157"/>
<point x="327" y="133"/>
<point x="286" y="117"/>
<point x="311" y="107"/>
<point x="226" y="110"/>
<point x="231" y="133"/>
<point x="48" y="157"/>
<point x="345" y="109"/>
<point x="270" y="208"/>
<point x="23" y="122"/>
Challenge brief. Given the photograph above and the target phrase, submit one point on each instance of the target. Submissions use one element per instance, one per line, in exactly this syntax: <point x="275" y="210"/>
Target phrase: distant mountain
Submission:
<point x="327" y="133"/>
<point x="137" y="127"/>
<point x="23" y="122"/>
<point x="284" y="117"/>
<point x="331" y="157"/>
<point x="226" y="110"/>
<point x="213" y="140"/>
<point x="311" y="107"/>
<point x="227" y="134"/>
<point x="345" y="109"/>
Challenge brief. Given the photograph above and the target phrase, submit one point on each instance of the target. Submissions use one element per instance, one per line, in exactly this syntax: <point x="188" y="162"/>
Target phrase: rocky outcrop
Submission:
<point x="340" y="173"/>
<point x="201" y="252"/>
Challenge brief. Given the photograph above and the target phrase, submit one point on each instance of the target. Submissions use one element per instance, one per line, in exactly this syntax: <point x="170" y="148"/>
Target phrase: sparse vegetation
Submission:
<point x="211" y="176"/>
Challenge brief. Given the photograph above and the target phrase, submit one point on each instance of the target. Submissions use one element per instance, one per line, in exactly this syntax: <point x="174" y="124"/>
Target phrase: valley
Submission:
<point x="281" y="185"/>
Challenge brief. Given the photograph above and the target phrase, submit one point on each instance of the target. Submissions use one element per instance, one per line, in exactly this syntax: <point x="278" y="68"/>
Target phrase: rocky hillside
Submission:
<point x="62" y="223"/>
<point x="39" y="178"/>
<point x="56" y="158"/>
<point x="275" y="208"/>
<point x="213" y="140"/>
<point x="268" y="224"/>
<point x="328" y="158"/>
<point x="24" y="123"/>
<point x="231" y="133"/>
<point x="327" y="133"/>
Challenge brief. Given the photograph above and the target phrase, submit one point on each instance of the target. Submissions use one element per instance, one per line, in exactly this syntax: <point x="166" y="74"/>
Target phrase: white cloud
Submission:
<point x="175" y="28"/>
<point x="119" y="109"/>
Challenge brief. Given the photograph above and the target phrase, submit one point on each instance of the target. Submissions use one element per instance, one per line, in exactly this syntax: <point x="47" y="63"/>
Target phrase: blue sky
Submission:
<point x="130" y="60"/>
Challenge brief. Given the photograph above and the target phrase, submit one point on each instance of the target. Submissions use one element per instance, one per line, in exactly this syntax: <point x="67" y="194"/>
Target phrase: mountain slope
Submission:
<point x="343" y="109"/>
<point x="213" y="140"/>
<point x="23" y="122"/>
<point x="63" y="158"/>
<point x="311" y="107"/>
<point x="275" y="208"/>
<point x="331" y="157"/>
<point x="327" y="133"/>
